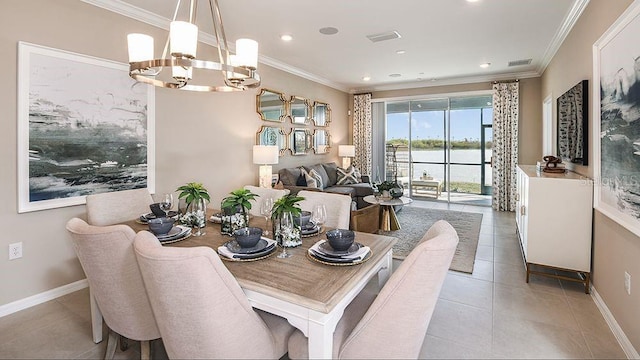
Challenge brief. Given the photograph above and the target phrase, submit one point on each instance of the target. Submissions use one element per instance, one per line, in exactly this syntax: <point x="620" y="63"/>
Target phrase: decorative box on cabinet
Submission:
<point x="553" y="218"/>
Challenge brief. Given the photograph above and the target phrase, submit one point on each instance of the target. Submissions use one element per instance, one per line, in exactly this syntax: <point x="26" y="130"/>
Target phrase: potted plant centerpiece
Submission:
<point x="195" y="197"/>
<point x="389" y="189"/>
<point x="285" y="231"/>
<point x="235" y="210"/>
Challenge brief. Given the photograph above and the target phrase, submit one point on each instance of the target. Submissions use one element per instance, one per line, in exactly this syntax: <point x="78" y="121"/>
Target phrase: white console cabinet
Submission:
<point x="553" y="217"/>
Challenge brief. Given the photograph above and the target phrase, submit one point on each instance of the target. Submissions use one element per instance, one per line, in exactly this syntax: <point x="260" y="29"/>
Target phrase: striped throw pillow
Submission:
<point x="314" y="180"/>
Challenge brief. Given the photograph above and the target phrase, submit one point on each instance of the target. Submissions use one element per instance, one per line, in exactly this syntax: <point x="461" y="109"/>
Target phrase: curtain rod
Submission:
<point x="505" y="81"/>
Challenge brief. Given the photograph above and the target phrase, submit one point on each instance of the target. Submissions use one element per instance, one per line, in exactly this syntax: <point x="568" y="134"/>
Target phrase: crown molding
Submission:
<point x="565" y="28"/>
<point x="449" y="81"/>
<point x="145" y="16"/>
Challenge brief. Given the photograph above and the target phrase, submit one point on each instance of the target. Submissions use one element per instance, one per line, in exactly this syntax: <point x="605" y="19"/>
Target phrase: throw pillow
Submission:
<point x="347" y="176"/>
<point x="301" y="181"/>
<point x="314" y="180"/>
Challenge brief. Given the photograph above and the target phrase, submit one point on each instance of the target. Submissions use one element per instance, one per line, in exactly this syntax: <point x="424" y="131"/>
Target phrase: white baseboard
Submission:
<point x="623" y="340"/>
<point x="36" y="299"/>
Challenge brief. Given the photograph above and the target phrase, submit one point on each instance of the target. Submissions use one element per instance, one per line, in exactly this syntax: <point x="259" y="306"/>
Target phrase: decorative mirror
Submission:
<point x="321" y="114"/>
<point x="299" y="141"/>
<point x="299" y="110"/>
<point x="321" y="141"/>
<point x="271" y="105"/>
<point x="272" y="135"/>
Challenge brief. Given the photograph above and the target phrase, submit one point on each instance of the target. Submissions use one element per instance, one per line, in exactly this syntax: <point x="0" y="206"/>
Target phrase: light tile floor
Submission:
<point x="491" y="313"/>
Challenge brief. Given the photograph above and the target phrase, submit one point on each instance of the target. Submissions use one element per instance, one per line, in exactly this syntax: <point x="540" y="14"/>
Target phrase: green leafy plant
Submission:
<point x="386" y="185"/>
<point x="287" y="203"/>
<point x="240" y="198"/>
<point x="193" y="191"/>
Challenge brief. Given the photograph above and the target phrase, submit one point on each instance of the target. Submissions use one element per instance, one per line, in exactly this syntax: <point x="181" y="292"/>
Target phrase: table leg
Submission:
<point x="386" y="270"/>
<point x="385" y="218"/>
<point x="96" y="318"/>
<point x="393" y="219"/>
<point x="320" y="341"/>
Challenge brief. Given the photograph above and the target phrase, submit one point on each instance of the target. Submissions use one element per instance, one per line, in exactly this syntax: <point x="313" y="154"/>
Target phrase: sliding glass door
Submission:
<point x="444" y="142"/>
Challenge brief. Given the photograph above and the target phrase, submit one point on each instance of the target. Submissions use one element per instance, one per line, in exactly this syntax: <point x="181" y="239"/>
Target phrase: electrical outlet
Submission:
<point x="15" y="251"/>
<point x="627" y="282"/>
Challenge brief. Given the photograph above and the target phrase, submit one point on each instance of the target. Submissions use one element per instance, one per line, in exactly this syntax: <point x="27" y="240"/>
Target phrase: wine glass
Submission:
<point x="166" y="203"/>
<point x="319" y="215"/>
<point x="286" y="227"/>
<point x="265" y="210"/>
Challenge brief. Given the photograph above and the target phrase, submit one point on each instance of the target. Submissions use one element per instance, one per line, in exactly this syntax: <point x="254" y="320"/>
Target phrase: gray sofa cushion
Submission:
<point x="331" y="169"/>
<point x="341" y="190"/>
<point x="360" y="189"/>
<point x="321" y="171"/>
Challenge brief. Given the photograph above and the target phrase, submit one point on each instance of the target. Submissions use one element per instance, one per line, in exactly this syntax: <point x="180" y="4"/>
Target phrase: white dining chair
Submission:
<point x="107" y="258"/>
<point x="116" y="207"/>
<point x="262" y="193"/>
<point x="393" y="324"/>
<point x="338" y="207"/>
<point x="200" y="308"/>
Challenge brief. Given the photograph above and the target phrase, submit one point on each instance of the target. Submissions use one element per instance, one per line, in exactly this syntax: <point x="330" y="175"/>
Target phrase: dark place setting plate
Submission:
<point x="146" y="217"/>
<point x="327" y="250"/>
<point x="234" y="247"/>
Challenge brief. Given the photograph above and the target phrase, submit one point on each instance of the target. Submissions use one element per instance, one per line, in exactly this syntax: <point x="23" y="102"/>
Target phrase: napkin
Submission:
<point x="224" y="251"/>
<point x="356" y="256"/>
<point x="215" y="218"/>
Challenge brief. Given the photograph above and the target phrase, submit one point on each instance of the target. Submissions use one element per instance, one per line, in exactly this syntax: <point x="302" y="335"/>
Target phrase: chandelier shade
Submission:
<point x="238" y="71"/>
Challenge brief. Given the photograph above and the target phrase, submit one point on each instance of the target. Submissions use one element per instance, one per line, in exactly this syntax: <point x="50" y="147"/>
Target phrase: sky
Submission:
<point x="430" y="124"/>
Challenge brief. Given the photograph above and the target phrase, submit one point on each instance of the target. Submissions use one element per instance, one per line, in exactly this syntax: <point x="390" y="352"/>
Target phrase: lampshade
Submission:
<point x="183" y="39"/>
<point x="247" y="53"/>
<point x="265" y="154"/>
<point x="346" y="150"/>
<point x="140" y="47"/>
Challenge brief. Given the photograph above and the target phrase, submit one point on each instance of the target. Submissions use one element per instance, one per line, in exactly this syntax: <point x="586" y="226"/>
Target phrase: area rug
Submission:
<point x="415" y="222"/>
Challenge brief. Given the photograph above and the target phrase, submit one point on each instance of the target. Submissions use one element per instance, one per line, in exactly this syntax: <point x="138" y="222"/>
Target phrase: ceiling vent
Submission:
<point x="384" y="36"/>
<point x="520" y="62"/>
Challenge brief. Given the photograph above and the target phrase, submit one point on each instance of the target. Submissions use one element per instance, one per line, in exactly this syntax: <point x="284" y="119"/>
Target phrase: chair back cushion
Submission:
<point x="107" y="257"/>
<point x="200" y="308"/>
<point x="396" y="323"/>
<point x="116" y="207"/>
<point x="338" y="207"/>
<point x="366" y="219"/>
<point x="262" y="193"/>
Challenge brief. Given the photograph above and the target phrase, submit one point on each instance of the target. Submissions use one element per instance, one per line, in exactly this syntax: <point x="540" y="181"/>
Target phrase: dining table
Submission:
<point x="310" y="294"/>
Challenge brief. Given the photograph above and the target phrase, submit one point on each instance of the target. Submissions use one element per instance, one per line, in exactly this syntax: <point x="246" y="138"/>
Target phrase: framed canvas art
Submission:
<point x="616" y="121"/>
<point x="84" y="127"/>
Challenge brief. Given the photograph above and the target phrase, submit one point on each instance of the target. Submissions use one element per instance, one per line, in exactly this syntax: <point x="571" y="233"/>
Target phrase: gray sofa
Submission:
<point x="328" y="172"/>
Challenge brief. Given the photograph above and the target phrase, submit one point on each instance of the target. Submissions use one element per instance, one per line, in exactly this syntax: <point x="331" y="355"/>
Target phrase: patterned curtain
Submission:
<point x="505" y="145"/>
<point x="362" y="132"/>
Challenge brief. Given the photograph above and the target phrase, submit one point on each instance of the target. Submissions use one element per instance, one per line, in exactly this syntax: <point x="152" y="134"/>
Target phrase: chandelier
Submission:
<point x="176" y="72"/>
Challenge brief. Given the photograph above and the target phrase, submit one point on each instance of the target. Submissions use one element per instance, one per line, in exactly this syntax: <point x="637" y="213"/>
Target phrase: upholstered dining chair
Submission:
<point x="338" y="207"/>
<point x="107" y="258"/>
<point x="200" y="308"/>
<point x="393" y="324"/>
<point x="116" y="207"/>
<point x="262" y="193"/>
<point x="366" y="219"/>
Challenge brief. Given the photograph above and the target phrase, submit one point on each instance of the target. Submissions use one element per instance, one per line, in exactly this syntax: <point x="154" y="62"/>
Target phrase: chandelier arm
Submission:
<point x="221" y="38"/>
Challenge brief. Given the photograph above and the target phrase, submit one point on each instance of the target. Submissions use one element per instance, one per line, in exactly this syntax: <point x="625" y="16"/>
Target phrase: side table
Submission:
<point x="388" y="218"/>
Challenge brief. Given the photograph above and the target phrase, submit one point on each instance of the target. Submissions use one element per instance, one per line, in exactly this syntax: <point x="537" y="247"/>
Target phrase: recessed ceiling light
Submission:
<point x="328" y="30"/>
<point x="366" y="78"/>
<point x="472" y="1"/>
<point x="395" y="75"/>
<point x="286" y="37"/>
<point x="400" y="52"/>
<point x="485" y="65"/>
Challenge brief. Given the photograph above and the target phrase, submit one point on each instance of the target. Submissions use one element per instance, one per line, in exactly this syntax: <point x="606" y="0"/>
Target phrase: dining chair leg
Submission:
<point x="145" y="350"/>
<point x="112" y="343"/>
<point x="124" y="343"/>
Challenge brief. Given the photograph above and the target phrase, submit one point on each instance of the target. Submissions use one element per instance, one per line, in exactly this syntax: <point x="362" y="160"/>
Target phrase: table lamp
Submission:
<point x="346" y="152"/>
<point x="265" y="155"/>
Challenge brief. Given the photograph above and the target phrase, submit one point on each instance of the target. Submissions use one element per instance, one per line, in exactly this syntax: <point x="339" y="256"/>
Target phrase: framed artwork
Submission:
<point x="616" y="125"/>
<point x="84" y="127"/>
